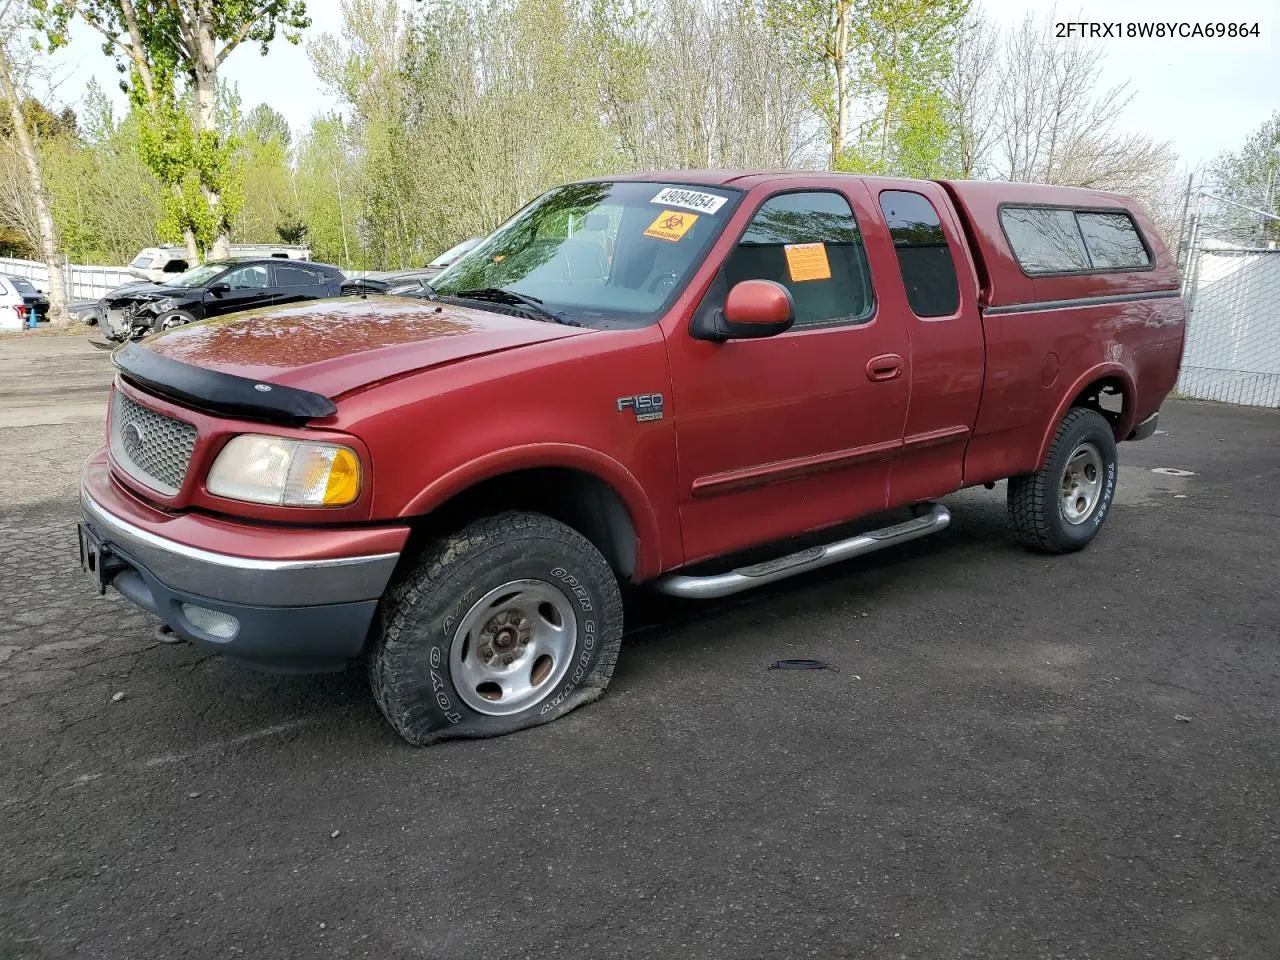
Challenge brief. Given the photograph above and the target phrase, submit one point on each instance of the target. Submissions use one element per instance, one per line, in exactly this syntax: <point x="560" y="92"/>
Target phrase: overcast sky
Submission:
<point x="1203" y="96"/>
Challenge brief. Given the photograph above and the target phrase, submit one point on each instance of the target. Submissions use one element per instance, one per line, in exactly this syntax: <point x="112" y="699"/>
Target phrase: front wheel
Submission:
<point x="511" y="622"/>
<point x="1060" y="508"/>
<point x="171" y="320"/>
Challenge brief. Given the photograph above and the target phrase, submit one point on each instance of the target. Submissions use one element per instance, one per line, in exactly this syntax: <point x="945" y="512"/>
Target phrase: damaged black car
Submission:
<point x="213" y="289"/>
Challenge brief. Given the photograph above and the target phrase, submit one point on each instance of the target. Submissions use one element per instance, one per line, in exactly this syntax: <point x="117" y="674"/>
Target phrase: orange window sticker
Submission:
<point x="671" y="225"/>
<point x="807" y="261"/>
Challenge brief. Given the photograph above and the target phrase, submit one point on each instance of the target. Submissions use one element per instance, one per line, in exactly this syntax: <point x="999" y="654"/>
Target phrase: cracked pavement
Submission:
<point x="997" y="771"/>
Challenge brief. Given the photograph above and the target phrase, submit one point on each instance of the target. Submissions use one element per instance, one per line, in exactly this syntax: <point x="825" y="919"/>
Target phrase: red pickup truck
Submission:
<point x="702" y="382"/>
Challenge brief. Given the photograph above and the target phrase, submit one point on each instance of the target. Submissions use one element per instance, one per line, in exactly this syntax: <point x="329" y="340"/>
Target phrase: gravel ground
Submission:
<point x="1020" y="756"/>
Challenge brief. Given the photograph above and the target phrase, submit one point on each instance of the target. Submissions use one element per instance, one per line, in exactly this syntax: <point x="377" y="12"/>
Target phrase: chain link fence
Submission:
<point x="1229" y="253"/>
<point x="1233" y="326"/>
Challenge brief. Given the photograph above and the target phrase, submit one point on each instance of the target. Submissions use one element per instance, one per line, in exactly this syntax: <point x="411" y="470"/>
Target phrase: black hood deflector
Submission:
<point x="217" y="392"/>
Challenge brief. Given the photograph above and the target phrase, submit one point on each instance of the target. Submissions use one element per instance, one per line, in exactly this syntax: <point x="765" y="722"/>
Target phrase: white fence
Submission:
<point x="1233" y="327"/>
<point x="83" y="282"/>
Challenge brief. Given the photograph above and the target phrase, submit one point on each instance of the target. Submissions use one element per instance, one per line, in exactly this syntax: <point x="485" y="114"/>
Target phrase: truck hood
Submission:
<point x="331" y="347"/>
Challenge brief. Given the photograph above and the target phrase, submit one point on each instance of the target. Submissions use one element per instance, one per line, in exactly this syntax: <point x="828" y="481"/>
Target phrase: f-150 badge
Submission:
<point x="646" y="406"/>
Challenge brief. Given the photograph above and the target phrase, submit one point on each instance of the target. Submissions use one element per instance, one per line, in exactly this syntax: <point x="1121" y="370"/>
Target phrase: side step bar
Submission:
<point x="935" y="518"/>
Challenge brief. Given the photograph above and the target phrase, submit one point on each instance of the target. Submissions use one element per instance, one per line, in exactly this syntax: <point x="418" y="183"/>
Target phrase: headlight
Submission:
<point x="291" y="473"/>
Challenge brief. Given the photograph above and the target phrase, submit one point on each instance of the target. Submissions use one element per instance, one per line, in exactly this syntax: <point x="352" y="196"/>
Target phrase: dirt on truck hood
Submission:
<point x="330" y="347"/>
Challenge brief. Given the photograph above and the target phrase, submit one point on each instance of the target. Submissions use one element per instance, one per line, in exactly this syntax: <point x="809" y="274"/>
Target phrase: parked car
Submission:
<point x="393" y="283"/>
<point x="33" y="299"/>
<point x="720" y="380"/>
<point x="406" y="283"/>
<point x="13" y="307"/>
<point x="88" y="312"/>
<point x="212" y="290"/>
<point x="159" y="264"/>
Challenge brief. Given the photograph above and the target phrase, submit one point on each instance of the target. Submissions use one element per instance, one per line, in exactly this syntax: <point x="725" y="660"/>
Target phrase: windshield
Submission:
<point x="602" y="254"/>
<point x="142" y="261"/>
<point x="196" y="276"/>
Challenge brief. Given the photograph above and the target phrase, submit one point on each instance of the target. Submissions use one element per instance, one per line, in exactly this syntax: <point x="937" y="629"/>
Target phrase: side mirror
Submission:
<point x="218" y="289"/>
<point x="753" y="309"/>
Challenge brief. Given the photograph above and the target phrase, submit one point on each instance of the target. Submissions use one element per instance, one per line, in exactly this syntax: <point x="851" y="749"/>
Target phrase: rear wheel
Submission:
<point x="1061" y="507"/>
<point x="511" y="622"/>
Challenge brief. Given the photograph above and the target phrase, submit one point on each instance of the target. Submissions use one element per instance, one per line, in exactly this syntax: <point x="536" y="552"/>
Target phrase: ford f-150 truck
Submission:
<point x="700" y="382"/>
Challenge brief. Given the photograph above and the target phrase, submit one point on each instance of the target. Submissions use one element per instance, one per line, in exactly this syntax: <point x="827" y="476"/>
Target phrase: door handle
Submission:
<point x="885" y="367"/>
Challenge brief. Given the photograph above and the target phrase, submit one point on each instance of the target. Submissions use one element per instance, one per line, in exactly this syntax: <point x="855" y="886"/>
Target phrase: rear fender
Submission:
<point x="1102" y="371"/>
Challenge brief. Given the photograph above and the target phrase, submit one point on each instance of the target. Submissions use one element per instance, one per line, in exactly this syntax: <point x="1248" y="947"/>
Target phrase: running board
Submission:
<point x="935" y="518"/>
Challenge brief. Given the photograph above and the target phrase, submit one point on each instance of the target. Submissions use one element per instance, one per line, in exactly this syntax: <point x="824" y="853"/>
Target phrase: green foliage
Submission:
<point x="168" y="53"/>
<point x="326" y="183"/>
<point x="1249" y="176"/>
<point x="105" y="202"/>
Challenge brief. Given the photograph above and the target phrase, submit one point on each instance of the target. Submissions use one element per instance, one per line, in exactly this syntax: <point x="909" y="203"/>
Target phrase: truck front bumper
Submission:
<point x="290" y="601"/>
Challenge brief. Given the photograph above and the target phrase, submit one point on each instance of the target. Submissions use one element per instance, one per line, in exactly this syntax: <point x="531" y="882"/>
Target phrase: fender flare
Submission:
<point x="566" y="456"/>
<point x="1102" y="371"/>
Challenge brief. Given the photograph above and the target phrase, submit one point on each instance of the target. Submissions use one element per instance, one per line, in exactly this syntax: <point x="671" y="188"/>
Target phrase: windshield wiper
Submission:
<point x="498" y="295"/>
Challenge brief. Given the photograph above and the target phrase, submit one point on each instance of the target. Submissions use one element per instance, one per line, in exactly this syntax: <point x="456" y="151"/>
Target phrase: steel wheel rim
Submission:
<point x="1081" y="485"/>
<point x="513" y="647"/>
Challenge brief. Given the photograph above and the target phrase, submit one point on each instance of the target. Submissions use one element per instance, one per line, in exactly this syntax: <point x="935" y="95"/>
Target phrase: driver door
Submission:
<point x="790" y="433"/>
<point x="247" y="287"/>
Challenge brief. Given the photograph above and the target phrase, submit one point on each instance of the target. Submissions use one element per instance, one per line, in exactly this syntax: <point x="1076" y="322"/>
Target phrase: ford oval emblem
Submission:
<point x="264" y="387"/>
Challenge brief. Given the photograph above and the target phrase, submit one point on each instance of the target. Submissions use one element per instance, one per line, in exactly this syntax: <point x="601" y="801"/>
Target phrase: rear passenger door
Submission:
<point x="294" y="283"/>
<point x="782" y="435"/>
<point x="931" y="291"/>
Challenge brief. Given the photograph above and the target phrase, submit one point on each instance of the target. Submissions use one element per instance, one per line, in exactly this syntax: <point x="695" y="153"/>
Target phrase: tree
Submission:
<point x="1249" y="176"/>
<point x="156" y="43"/>
<point x="1034" y="111"/>
<point x="969" y="95"/>
<point x="902" y="55"/>
<point x="14" y="16"/>
<point x="263" y="138"/>
<point x="817" y="35"/>
<point x="326" y="185"/>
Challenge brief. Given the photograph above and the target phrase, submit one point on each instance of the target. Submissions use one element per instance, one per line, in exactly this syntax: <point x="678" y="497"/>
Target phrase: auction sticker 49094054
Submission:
<point x="689" y="199"/>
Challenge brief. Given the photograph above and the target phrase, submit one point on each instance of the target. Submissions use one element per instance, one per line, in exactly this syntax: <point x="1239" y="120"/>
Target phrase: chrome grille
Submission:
<point x="153" y="448"/>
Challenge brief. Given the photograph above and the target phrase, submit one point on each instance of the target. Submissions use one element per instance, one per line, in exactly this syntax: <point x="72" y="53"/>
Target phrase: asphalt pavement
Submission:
<point x="1019" y="756"/>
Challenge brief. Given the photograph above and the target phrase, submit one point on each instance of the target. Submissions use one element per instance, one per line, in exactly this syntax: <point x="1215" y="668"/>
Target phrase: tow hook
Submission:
<point x="165" y="634"/>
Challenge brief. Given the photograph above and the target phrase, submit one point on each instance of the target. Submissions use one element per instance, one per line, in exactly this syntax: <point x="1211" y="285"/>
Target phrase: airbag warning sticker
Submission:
<point x="671" y="225"/>
<point x="689" y="199"/>
<point x="807" y="261"/>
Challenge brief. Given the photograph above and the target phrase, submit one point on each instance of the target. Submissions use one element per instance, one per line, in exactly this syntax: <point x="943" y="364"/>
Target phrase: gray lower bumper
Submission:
<point x="1146" y="428"/>
<point x="266" y="583"/>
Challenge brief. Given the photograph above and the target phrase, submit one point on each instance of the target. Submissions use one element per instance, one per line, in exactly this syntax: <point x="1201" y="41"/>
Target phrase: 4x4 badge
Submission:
<point x="646" y="406"/>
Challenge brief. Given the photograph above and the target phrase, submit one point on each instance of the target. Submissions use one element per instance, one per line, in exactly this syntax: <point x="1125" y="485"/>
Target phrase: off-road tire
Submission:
<point x="409" y="658"/>
<point x="1035" y="501"/>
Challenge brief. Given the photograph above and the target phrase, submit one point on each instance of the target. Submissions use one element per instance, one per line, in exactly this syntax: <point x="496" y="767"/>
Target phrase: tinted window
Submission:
<point x="175" y="266"/>
<point x="295" y="276"/>
<point x="1045" y="241"/>
<point x="928" y="272"/>
<point x="246" y="278"/>
<point x="1112" y="241"/>
<point x="809" y="243"/>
